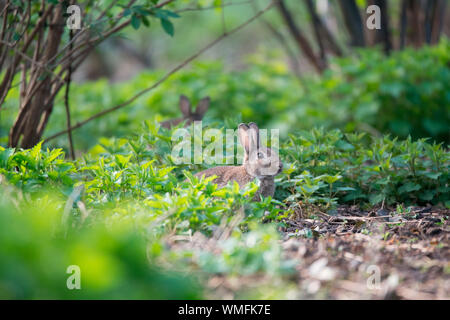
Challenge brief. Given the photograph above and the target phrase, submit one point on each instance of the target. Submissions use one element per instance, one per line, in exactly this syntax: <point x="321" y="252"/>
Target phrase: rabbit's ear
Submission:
<point x="185" y="105"/>
<point x="202" y="106"/>
<point x="254" y="134"/>
<point x="243" y="137"/>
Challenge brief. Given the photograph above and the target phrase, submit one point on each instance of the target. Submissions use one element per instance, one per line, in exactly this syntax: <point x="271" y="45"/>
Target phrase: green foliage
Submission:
<point x="35" y="254"/>
<point x="30" y="169"/>
<point x="403" y="94"/>
<point x="256" y="251"/>
<point x="139" y="13"/>
<point x="321" y="166"/>
<point x="129" y="199"/>
<point x="406" y="93"/>
<point x="102" y="210"/>
<point x="115" y="209"/>
<point x="329" y="166"/>
<point x="120" y="210"/>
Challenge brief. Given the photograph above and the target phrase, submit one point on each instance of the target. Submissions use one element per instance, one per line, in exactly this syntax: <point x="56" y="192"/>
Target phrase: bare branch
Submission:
<point x="299" y="38"/>
<point x="353" y="22"/>
<point x="165" y="77"/>
<point x="283" y="42"/>
<point x="66" y="104"/>
<point x="323" y="30"/>
<point x="32" y="61"/>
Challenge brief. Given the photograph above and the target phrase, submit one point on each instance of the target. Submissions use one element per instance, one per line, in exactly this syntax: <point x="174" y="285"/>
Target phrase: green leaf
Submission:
<point x="5" y="156"/>
<point x="427" y="196"/>
<point x="165" y="14"/>
<point x="122" y="160"/>
<point x="345" y="189"/>
<point x="16" y="36"/>
<point x="142" y="11"/>
<point x="376" y="198"/>
<point x="433" y="175"/>
<point x="146" y="22"/>
<point x="135" y="22"/>
<point x="172" y="14"/>
<point x="344" y="145"/>
<point x="409" y="187"/>
<point x="354" y="195"/>
<point x="167" y="26"/>
<point x="126" y="12"/>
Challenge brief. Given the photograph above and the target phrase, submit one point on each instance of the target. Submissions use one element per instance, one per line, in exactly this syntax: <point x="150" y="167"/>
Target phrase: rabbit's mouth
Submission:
<point x="280" y="168"/>
<point x="269" y="171"/>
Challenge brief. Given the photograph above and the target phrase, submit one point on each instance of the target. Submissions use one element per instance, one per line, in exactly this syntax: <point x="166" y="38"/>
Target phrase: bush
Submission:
<point x="37" y="249"/>
<point x="404" y="94"/>
<point x="330" y="167"/>
<point x="114" y="211"/>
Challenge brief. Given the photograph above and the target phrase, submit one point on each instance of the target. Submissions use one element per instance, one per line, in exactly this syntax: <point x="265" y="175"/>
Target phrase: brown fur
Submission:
<point x="249" y="170"/>
<point x="189" y="115"/>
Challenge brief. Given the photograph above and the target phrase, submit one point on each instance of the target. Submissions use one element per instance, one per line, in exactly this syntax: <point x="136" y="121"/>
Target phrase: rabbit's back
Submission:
<point x="227" y="174"/>
<point x="171" y="123"/>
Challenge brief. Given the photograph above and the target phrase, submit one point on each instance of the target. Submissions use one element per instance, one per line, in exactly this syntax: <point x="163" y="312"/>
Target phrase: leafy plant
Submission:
<point x="330" y="167"/>
<point x="128" y="193"/>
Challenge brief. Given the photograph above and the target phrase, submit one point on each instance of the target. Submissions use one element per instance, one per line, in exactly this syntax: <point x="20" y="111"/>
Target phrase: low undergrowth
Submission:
<point x="118" y="211"/>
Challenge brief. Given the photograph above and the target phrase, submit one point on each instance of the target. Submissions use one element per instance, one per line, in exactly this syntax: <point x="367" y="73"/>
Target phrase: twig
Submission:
<point x="165" y="77"/>
<point x="66" y="103"/>
<point x="33" y="62"/>
<point x="79" y="57"/>
<point x="357" y="218"/>
<point x="229" y="4"/>
<point x="300" y="39"/>
<point x="91" y="43"/>
<point x="224" y="28"/>
<point x="316" y="25"/>
<point x="323" y="30"/>
<point x="282" y="40"/>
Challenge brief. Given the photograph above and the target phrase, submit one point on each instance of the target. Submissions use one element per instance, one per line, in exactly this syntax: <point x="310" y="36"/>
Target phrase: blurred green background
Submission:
<point x="119" y="229"/>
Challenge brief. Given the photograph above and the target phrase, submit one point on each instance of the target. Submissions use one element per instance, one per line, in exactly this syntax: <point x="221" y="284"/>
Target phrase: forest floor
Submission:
<point x="409" y="250"/>
<point x="356" y="254"/>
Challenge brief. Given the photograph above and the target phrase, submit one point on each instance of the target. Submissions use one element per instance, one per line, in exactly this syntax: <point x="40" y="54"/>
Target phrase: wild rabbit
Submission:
<point x="259" y="162"/>
<point x="188" y="114"/>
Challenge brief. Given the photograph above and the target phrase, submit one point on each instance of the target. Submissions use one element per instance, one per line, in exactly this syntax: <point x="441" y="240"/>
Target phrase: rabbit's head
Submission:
<point x="259" y="161"/>
<point x="193" y="115"/>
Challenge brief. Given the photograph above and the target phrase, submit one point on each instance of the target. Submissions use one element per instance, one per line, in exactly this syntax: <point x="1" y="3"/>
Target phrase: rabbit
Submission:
<point x="259" y="162"/>
<point x="188" y="114"/>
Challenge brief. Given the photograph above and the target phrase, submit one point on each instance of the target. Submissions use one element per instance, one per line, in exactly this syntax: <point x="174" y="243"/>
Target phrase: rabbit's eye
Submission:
<point x="260" y="155"/>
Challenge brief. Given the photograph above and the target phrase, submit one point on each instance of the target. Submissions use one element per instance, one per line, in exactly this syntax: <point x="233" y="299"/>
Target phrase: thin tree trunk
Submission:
<point x="33" y="115"/>
<point x="299" y="38"/>
<point x="49" y="67"/>
<point x="292" y="56"/>
<point x="353" y="22"/>
<point x="434" y="16"/>
<point x="412" y="28"/>
<point x="416" y="34"/>
<point x="445" y="26"/>
<point x="66" y="102"/>
<point x="430" y="8"/>
<point x="403" y="23"/>
<point x="438" y="25"/>
<point x="316" y="28"/>
<point x="322" y="31"/>
<point x="383" y="35"/>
